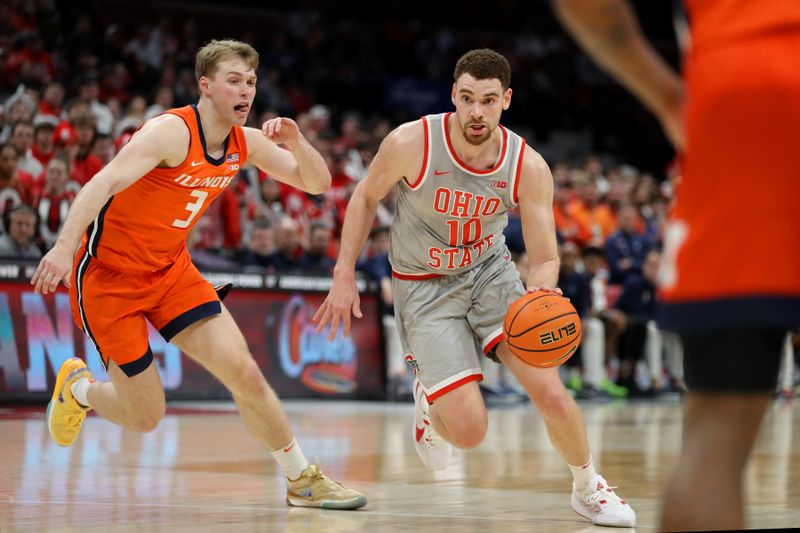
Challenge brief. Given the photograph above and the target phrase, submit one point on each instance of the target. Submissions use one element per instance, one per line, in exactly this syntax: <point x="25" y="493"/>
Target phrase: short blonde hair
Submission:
<point x="210" y="55"/>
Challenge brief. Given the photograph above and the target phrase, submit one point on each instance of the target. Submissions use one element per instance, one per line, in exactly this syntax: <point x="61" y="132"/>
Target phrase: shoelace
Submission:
<point x="605" y="492"/>
<point x="316" y="475"/>
<point x="431" y="436"/>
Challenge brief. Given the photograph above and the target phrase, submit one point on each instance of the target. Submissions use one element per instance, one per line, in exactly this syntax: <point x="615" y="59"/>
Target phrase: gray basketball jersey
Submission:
<point x="451" y="217"/>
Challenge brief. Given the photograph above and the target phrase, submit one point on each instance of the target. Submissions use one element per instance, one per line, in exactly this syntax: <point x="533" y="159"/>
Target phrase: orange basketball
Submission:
<point x="542" y="328"/>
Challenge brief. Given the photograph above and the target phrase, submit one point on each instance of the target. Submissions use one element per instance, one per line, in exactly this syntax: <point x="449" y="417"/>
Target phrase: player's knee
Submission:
<point x="553" y="400"/>
<point x="247" y="379"/>
<point x="147" y="419"/>
<point x="467" y="431"/>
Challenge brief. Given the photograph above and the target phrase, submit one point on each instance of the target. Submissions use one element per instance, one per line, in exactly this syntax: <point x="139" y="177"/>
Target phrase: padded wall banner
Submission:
<point x="274" y="313"/>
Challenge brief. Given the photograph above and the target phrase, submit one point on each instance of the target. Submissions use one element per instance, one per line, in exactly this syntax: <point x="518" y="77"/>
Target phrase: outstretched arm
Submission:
<point x="164" y="139"/>
<point x="609" y="32"/>
<point x="538" y="225"/>
<point x="400" y="155"/>
<point x="299" y="165"/>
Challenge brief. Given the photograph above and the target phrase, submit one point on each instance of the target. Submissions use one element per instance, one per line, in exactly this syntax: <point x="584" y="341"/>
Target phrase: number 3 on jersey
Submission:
<point x="193" y="208"/>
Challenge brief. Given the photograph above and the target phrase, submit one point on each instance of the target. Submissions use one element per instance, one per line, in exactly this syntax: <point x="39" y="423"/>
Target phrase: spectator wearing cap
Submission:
<point x="18" y="243"/>
<point x="43" y="148"/>
<point x="88" y="91"/>
<point x="65" y="139"/>
<point x="125" y="130"/>
<point x="20" y="107"/>
<point x="86" y="164"/>
<point x="52" y="203"/>
<point x="22" y="139"/>
<point x="319" y="122"/>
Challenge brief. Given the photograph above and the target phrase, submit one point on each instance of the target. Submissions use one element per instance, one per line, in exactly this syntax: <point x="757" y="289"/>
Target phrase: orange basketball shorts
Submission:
<point x="112" y="307"/>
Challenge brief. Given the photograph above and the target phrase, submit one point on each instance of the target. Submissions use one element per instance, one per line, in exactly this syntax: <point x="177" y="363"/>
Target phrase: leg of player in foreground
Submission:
<point x="137" y="403"/>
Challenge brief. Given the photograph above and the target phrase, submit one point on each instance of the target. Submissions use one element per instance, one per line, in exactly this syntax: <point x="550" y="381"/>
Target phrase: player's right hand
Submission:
<point x="341" y="301"/>
<point x="54" y="267"/>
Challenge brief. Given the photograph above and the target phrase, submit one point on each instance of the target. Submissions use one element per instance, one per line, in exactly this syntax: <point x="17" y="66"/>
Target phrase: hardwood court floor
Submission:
<point x="201" y="471"/>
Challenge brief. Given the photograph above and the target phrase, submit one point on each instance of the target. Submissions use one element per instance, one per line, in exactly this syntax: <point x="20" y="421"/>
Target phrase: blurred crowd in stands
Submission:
<point x="73" y="93"/>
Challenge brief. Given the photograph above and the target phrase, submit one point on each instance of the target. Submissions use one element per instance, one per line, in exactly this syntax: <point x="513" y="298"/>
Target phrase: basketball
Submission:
<point x="542" y="328"/>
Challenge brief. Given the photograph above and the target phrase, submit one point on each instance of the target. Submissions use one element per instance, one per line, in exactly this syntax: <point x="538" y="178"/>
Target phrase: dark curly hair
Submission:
<point x="484" y="64"/>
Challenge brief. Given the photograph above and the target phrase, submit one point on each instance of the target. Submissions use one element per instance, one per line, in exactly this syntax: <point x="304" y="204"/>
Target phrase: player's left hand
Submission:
<point x="281" y="130"/>
<point x="53" y="269"/>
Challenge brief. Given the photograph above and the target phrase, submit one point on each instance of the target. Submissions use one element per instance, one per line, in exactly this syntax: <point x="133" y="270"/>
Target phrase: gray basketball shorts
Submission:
<point x="446" y="323"/>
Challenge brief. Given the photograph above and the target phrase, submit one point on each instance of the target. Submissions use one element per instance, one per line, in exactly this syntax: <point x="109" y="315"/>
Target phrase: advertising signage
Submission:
<point x="274" y="312"/>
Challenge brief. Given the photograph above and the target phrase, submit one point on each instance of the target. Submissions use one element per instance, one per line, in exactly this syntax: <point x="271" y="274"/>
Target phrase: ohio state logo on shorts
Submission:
<point x="412" y="363"/>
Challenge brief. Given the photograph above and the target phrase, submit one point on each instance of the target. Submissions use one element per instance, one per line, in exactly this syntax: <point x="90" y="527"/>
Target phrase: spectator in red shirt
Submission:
<point x="85" y="164"/>
<point x="52" y="100"/>
<point x="43" y="148"/>
<point x="104" y="148"/>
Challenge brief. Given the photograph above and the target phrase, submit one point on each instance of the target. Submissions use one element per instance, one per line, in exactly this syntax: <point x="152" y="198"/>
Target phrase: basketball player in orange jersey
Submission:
<point x="133" y="265"/>
<point x="730" y="277"/>
<point x="456" y="175"/>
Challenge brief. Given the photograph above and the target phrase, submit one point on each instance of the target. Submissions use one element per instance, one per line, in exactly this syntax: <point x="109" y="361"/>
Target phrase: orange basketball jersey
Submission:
<point x="717" y="22"/>
<point x="144" y="227"/>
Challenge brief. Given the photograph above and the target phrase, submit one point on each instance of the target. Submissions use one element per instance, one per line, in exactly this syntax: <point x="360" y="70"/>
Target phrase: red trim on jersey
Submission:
<point x="456" y="384"/>
<point x="514" y="196"/>
<point x="464" y="165"/>
<point x="415" y="277"/>
<point x="494" y="342"/>
<point x="425" y="156"/>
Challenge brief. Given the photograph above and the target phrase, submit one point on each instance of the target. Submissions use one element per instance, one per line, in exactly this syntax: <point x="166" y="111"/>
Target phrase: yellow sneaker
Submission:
<point x="315" y="489"/>
<point x="64" y="414"/>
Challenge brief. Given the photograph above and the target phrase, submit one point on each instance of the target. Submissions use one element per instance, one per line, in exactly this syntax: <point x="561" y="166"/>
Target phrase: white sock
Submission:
<point x="80" y="391"/>
<point x="583" y="474"/>
<point x="291" y="459"/>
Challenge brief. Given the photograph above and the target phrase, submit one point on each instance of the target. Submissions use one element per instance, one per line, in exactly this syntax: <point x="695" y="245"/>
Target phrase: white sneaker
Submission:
<point x="434" y="451"/>
<point x="598" y="502"/>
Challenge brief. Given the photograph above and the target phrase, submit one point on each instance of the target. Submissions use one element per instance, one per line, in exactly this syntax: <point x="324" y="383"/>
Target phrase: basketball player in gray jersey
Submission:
<point x="457" y="174"/>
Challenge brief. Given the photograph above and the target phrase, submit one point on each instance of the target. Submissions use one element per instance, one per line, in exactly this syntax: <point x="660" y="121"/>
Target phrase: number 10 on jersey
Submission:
<point x="464" y="231"/>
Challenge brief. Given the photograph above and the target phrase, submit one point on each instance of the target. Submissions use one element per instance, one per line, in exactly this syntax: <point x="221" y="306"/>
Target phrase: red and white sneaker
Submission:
<point x="598" y="503"/>
<point x="434" y="451"/>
